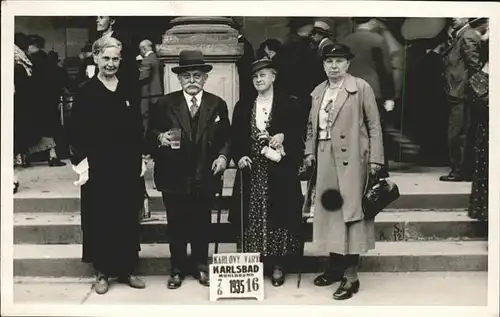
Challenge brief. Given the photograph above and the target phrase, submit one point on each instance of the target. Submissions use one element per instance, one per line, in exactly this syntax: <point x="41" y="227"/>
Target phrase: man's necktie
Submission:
<point x="194" y="107"/>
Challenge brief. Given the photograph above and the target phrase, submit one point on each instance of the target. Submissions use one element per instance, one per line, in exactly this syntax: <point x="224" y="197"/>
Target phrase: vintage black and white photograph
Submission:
<point x="262" y="157"/>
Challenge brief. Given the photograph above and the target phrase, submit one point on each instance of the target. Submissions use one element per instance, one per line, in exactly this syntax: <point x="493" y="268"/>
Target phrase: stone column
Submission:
<point x="218" y="40"/>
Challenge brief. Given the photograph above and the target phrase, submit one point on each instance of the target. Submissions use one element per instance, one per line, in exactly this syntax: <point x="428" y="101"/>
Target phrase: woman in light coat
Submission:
<point x="344" y="144"/>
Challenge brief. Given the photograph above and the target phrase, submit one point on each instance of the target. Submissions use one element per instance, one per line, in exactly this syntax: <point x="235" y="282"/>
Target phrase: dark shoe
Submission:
<point x="133" y="281"/>
<point x="278" y="277"/>
<point x="16" y="187"/>
<point x="346" y="290"/>
<point x="174" y="282"/>
<point x="102" y="285"/>
<point x="326" y="279"/>
<point x="203" y="279"/>
<point x="451" y="178"/>
<point x="56" y="162"/>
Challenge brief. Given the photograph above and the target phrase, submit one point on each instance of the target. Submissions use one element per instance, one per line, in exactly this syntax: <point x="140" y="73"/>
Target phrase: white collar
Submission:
<point x="188" y="98"/>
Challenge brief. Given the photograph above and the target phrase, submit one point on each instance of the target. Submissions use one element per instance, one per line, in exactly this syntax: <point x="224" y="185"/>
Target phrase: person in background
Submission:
<point x="149" y="79"/>
<point x="298" y="60"/>
<point x="272" y="194"/>
<point x="478" y="206"/>
<point x="244" y="64"/>
<point x="272" y="50"/>
<point x="189" y="163"/>
<point x="23" y="100"/>
<point x="151" y="90"/>
<point x="320" y="36"/>
<point x="343" y="145"/>
<point x="107" y="144"/>
<point x="461" y="57"/>
<point x="87" y="67"/>
<point x="373" y="64"/>
<point x="46" y="108"/>
<point x="107" y="27"/>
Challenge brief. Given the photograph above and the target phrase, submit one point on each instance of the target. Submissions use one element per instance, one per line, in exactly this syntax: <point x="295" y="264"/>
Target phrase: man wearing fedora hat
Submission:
<point x="189" y="167"/>
<point x="320" y="35"/>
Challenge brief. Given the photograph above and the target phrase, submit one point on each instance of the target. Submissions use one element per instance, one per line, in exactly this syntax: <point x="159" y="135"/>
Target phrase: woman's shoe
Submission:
<point x="346" y="290"/>
<point x="102" y="285"/>
<point x="278" y="277"/>
<point x="327" y="279"/>
<point x="133" y="281"/>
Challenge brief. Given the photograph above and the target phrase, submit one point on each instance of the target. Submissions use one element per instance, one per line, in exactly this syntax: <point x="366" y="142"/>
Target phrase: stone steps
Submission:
<point x="406" y="225"/>
<point x="409" y="256"/>
<point x="426" y="229"/>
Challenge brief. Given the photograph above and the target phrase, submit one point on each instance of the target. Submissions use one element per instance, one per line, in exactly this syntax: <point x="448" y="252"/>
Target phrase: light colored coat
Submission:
<point x="356" y="137"/>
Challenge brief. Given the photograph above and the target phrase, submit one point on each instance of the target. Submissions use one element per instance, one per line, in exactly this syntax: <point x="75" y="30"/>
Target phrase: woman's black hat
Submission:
<point x="261" y="64"/>
<point x="337" y="50"/>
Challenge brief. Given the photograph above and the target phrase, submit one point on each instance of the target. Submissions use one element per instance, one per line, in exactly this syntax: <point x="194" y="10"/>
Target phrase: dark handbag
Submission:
<point x="479" y="84"/>
<point x="379" y="194"/>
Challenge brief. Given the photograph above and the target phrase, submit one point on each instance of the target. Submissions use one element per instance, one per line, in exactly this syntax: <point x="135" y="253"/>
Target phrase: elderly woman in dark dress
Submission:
<point x="106" y="138"/>
<point x="271" y="186"/>
<point x="344" y="139"/>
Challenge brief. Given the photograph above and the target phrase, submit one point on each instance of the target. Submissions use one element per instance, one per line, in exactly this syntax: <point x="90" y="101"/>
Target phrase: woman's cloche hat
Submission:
<point x="261" y="64"/>
<point x="337" y="50"/>
<point x="191" y="60"/>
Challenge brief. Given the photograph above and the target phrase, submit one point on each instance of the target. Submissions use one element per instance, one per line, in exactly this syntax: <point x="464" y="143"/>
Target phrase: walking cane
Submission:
<point x="242" y="239"/>
<point x="219" y="210"/>
<point x="302" y="246"/>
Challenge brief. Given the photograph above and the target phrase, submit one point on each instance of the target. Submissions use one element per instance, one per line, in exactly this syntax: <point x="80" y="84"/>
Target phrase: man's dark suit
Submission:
<point x="150" y="81"/>
<point x="184" y="176"/>
<point x="461" y="60"/>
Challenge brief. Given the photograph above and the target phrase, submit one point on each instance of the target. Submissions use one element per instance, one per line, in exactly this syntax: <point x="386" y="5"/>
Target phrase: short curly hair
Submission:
<point x="102" y="44"/>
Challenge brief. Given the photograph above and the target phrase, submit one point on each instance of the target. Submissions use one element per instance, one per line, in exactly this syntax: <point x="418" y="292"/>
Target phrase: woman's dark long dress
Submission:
<point x="478" y="206"/>
<point x="271" y="191"/>
<point x="106" y="128"/>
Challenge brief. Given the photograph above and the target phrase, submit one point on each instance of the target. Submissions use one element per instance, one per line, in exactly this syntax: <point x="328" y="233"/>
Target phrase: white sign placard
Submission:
<point x="236" y="275"/>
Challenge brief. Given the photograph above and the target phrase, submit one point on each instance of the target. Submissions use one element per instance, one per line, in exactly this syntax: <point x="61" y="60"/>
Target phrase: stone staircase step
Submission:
<point x="47" y="190"/>
<point x="422" y="256"/>
<point x="64" y="228"/>
<point x="65" y="203"/>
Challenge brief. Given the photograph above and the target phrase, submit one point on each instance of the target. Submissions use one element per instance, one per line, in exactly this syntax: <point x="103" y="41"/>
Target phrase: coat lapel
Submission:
<point x="317" y="97"/>
<point x="181" y="112"/>
<point x="206" y="109"/>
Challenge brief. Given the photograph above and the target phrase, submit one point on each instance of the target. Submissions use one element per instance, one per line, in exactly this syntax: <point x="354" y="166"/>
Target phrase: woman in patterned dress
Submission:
<point x="271" y="187"/>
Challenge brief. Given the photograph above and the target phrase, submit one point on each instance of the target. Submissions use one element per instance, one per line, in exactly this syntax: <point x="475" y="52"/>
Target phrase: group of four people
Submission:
<point x="265" y="140"/>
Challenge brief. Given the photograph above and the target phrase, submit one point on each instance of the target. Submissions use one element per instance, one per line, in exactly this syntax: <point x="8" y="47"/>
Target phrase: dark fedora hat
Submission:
<point x="336" y="50"/>
<point x="261" y="64"/>
<point x="191" y="60"/>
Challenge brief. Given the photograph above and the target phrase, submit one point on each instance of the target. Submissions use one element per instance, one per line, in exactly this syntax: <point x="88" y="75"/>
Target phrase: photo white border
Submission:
<point x="11" y="8"/>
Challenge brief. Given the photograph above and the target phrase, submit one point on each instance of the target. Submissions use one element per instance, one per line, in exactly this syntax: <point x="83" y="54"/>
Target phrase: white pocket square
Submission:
<point x="217" y="119"/>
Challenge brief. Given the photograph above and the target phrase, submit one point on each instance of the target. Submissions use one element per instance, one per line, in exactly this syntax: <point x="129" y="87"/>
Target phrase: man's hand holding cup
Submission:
<point x="165" y="138"/>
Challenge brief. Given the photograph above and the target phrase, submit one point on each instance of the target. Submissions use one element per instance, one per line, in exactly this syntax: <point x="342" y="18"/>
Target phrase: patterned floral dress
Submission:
<point x="257" y="236"/>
